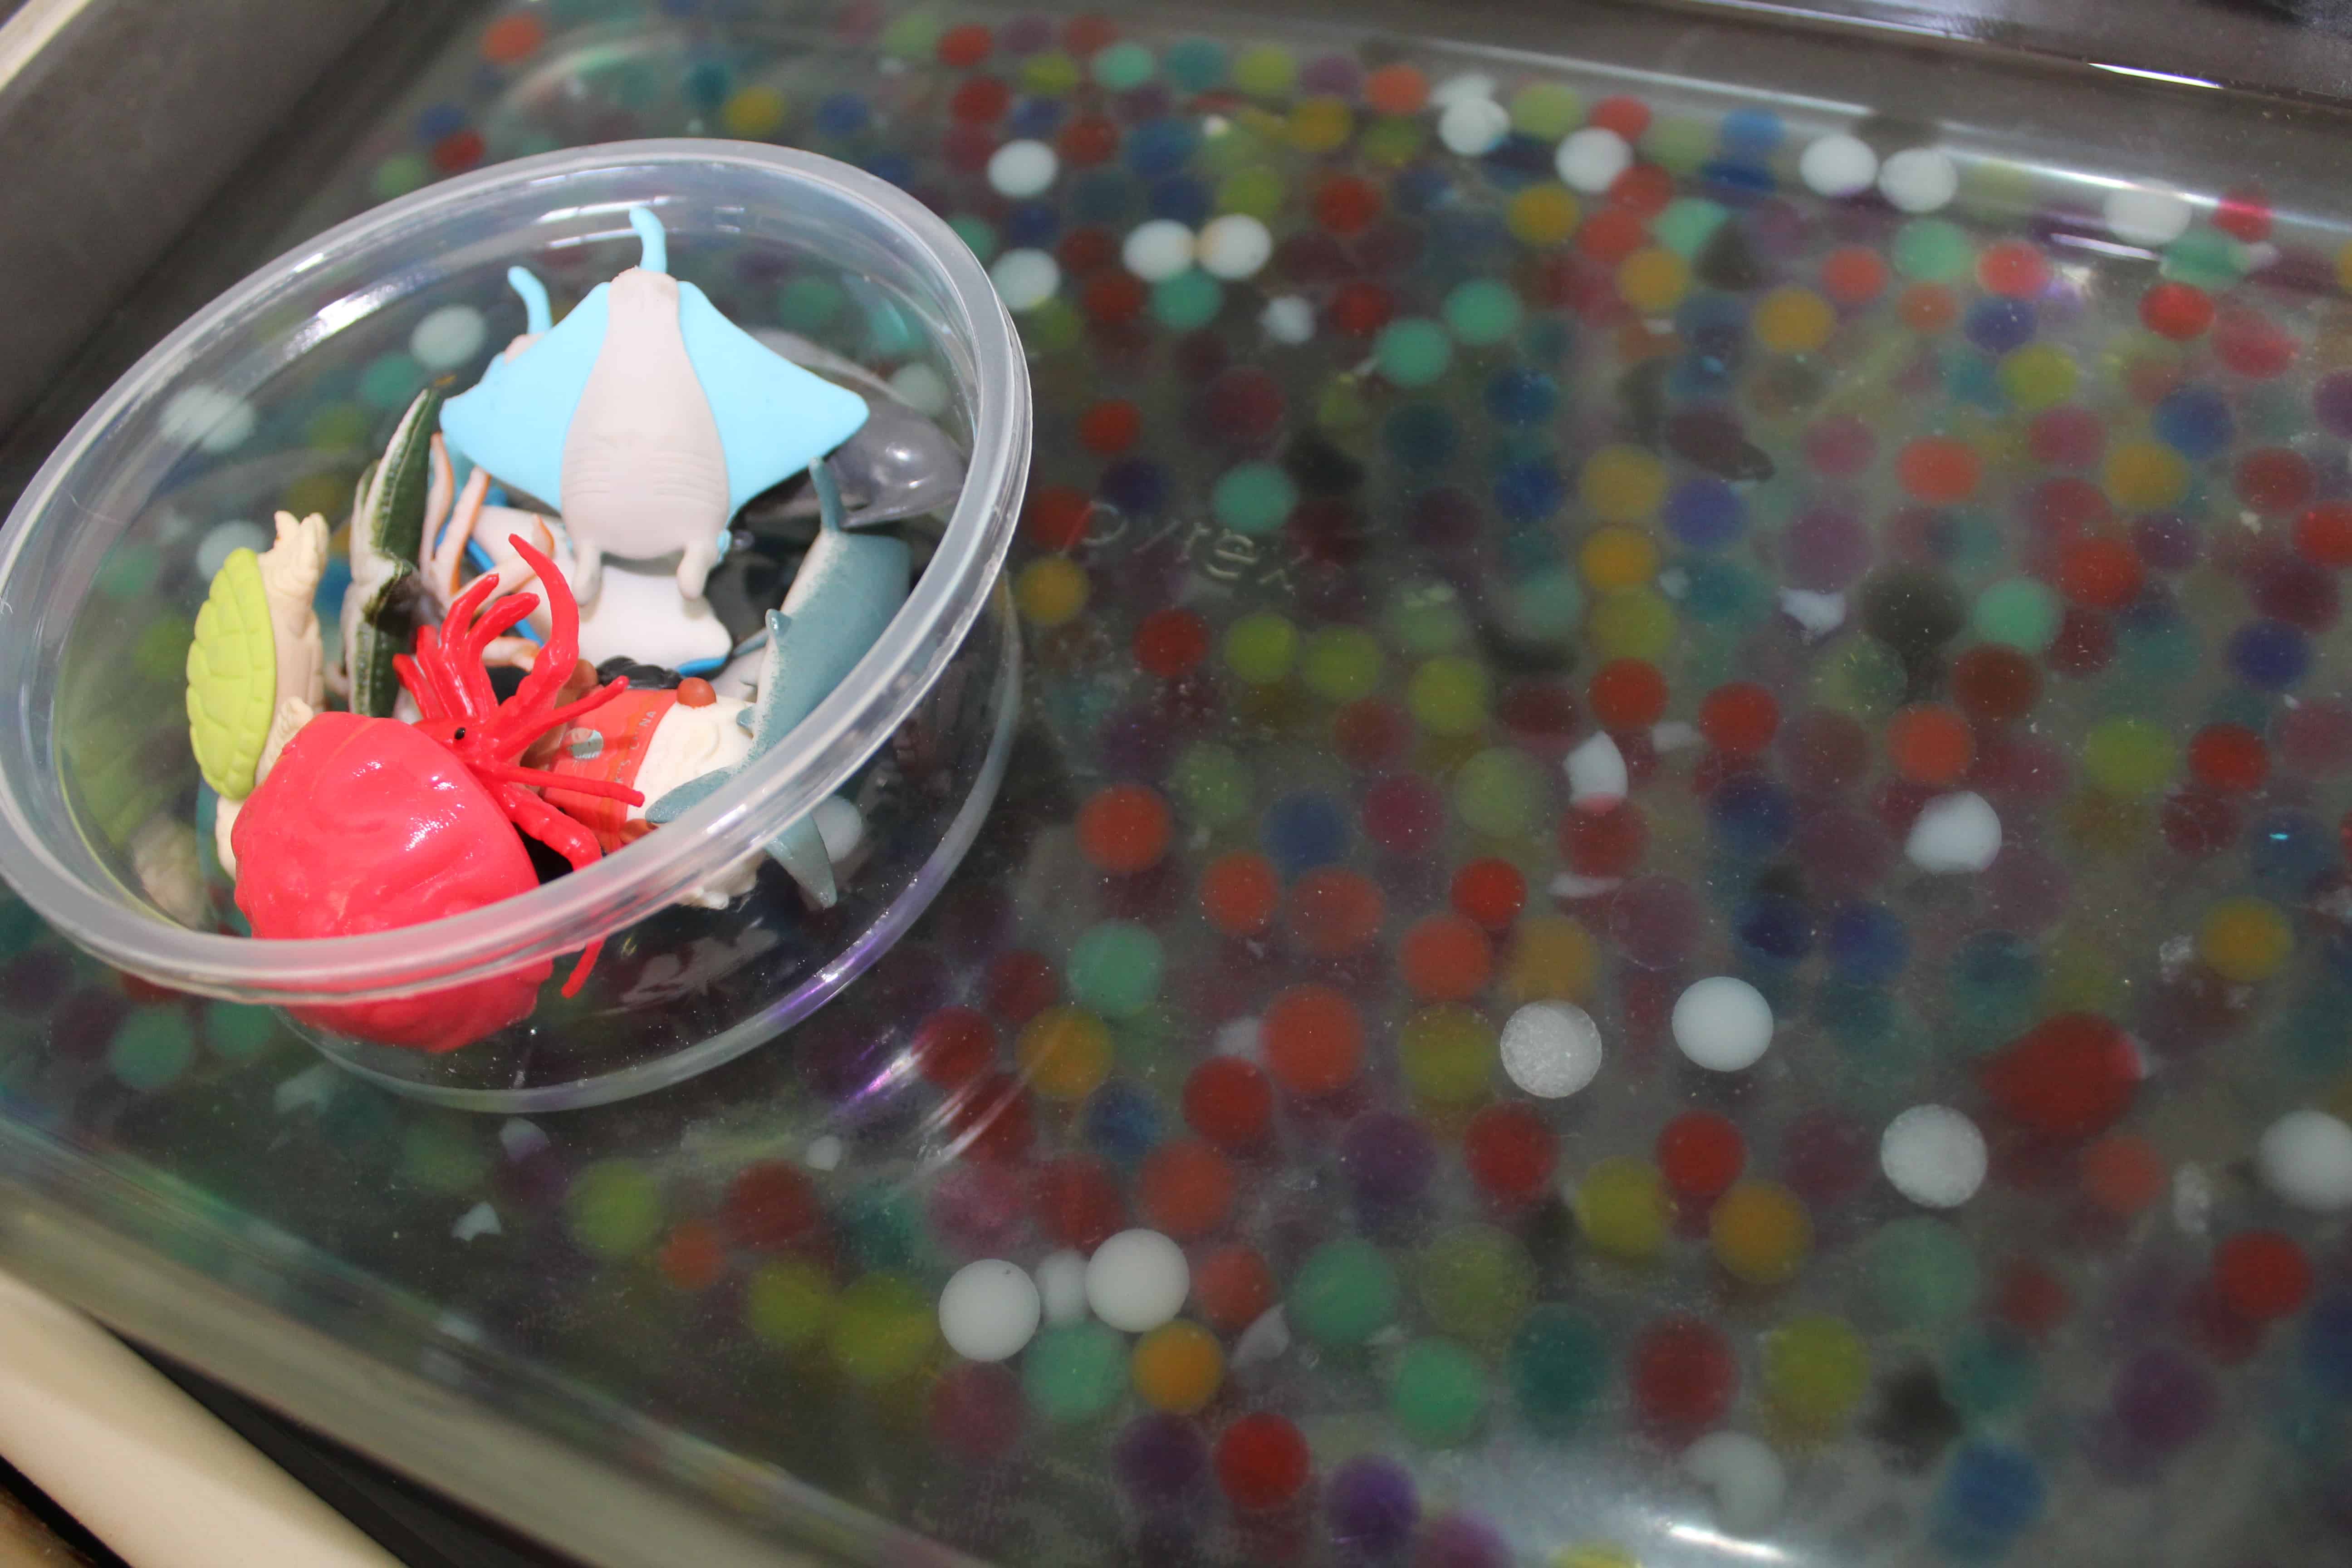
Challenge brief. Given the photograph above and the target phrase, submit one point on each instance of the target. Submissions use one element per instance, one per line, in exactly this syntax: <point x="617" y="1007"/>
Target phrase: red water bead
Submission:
<point x="1168" y="643"/>
<point x="990" y="1118"/>
<point x="1076" y="1202"/>
<point x="1739" y="717"/>
<point x="1110" y="426"/>
<point x="1822" y="752"/>
<point x="2066" y="437"/>
<point x="1262" y="1462"/>
<point x="2315" y="738"/>
<point x="1929" y="743"/>
<point x="2149" y="379"/>
<point x="1854" y="275"/>
<point x="1938" y="470"/>
<point x="2243" y="213"/>
<point x="1087" y="141"/>
<point x="2261" y="1275"/>
<point x="1628" y="117"/>
<point x="770" y="1206"/>
<point x="1113" y="298"/>
<point x="2197" y="823"/>
<point x="976" y="1411"/>
<point x="1839" y="447"/>
<point x="2069" y="1076"/>
<point x="1645" y="190"/>
<point x="515" y="37"/>
<point x="2253" y="345"/>
<point x="1398" y="88"/>
<point x="1333" y="912"/>
<point x="1088" y="34"/>
<point x="1993" y="683"/>
<point x="693" y="1257"/>
<point x="1490" y="891"/>
<point x="2086" y="643"/>
<point x="961" y="47"/>
<point x="1313" y="1039"/>
<point x="1054" y="517"/>
<point x="1511" y="1152"/>
<point x="2012" y="267"/>
<point x="1540" y="715"/>
<point x="1404" y="815"/>
<point x="1087" y="250"/>
<point x="2229" y="757"/>
<point x="1683" y="1375"/>
<point x="1627" y="694"/>
<point x="1020" y="985"/>
<point x="1185" y="1189"/>
<point x="1232" y="1287"/>
<point x="954" y="1044"/>
<point x="2276" y="480"/>
<point x="1239" y="891"/>
<point x="1344" y="205"/>
<point x="1700" y="1155"/>
<point x="2177" y="310"/>
<point x="1360" y="308"/>
<point x="2062" y="508"/>
<point x="1241" y="407"/>
<point x="1444" y="958"/>
<point x="1371" y="733"/>
<point x="2030" y="1298"/>
<point x="1612" y="234"/>
<point x="2102" y="571"/>
<point x="979" y="101"/>
<point x="457" y="151"/>
<point x="1605" y="843"/>
<point x="1125" y="829"/>
<point x="1928" y="309"/>
<point x="1229" y="1101"/>
<point x="968" y="148"/>
<point x="2322" y="534"/>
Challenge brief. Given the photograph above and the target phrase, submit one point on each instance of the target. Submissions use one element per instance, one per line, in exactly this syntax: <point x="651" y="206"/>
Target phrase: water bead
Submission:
<point x="1313" y="1040"/>
<point x="1793" y="321"/>
<point x="1445" y="957"/>
<point x="1475" y="1283"/>
<point x="1262" y="1461"/>
<point x="1413" y="351"/>
<point x="1704" y="513"/>
<point x="1437" y="1393"/>
<point x="1722" y="1024"/>
<point x="1558" y="1366"/>
<point x="1816" y="1370"/>
<point x="1919" y="180"/>
<point x="2269" y="656"/>
<point x="2145" y="216"/>
<point x="1620" y="1208"/>
<point x="1921" y="1272"/>
<point x="1137" y="1280"/>
<point x="1745" y="1480"/>
<point x="1590" y="160"/>
<point x="1445" y="1054"/>
<point x="1654" y="280"/>
<point x="1189" y="300"/>
<point x="1064" y="1052"/>
<point x="1447" y="695"/>
<point x="882" y="1330"/>
<point x="1551" y="1050"/>
<point x="1482" y="311"/>
<point x="1074" y="1371"/>
<point x="1497" y="793"/>
<point x="1759" y="1233"/>
<point x="1158" y="251"/>
<point x="1333" y="912"/>
<point x="989" y="1310"/>
<point x="613" y="1209"/>
<point x="1344" y="1292"/>
<point x="1473" y="126"/>
<point x="2245" y="940"/>
<point x="1261" y="646"/>
<point x="1933" y="1155"/>
<point x="1252" y="498"/>
<point x="1115" y="968"/>
<point x="1838" y="165"/>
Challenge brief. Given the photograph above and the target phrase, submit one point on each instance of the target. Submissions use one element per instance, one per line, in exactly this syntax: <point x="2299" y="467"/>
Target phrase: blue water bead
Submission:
<point x="1734" y="184"/>
<point x="1998" y="324"/>
<point x="2288" y="852"/>
<point x="2327" y="1347"/>
<point x="1528" y="491"/>
<point x="1519" y="161"/>
<point x="1159" y="147"/>
<point x="1180" y="199"/>
<point x="1034" y="118"/>
<point x="1704" y="513"/>
<point x="1032" y="225"/>
<point x="1752" y="816"/>
<point x="1775" y="927"/>
<point x="1546" y="340"/>
<point x="1421" y="436"/>
<point x="2270" y="656"/>
<point x="1717" y="590"/>
<point x="892" y="168"/>
<point x="439" y="120"/>
<point x="1137" y="486"/>
<point x="841" y="114"/>
<point x="1419" y="187"/>
<point x="1121" y="1122"/>
<point x="1102" y="196"/>
<point x="1463" y="245"/>
<point x="2194" y="421"/>
<point x="1521" y="397"/>
<point x="1713" y="324"/>
<point x="1752" y="133"/>
<point x="1990" y="1495"/>
<point x="706" y="85"/>
<point x="1194" y="65"/>
<point x="1867" y="944"/>
<point x="1303" y="830"/>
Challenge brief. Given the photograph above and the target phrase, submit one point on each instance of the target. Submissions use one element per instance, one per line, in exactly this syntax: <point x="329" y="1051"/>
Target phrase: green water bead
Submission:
<point x="1342" y="663"/>
<point x="1988" y="1371"/>
<point x="886" y="1230"/>
<point x="2206" y="257"/>
<point x="1413" y="350"/>
<point x="1447" y="695"/>
<point x="1546" y="110"/>
<point x="977" y="233"/>
<point x="396" y="176"/>
<point x="1266" y="72"/>
<point x="1867" y="680"/>
<point x="914" y="36"/>
<point x="1932" y="250"/>
<point x="129" y="571"/>
<point x="1544" y="606"/>
<point x="1392" y="140"/>
<point x="787" y="1303"/>
<point x="336" y="426"/>
<point x="1558" y="1366"/>
<point x="1194" y="64"/>
<point x="2023" y="612"/>
<point x="152" y="1048"/>
<point x="1499" y="793"/>
<point x="1123" y="65"/>
<point x="1261" y="646"/>
<point x="1437" y="1393"/>
<point x="1686" y="225"/>
<point x="1253" y="190"/>
<point x="1052" y="74"/>
<point x="1344" y="1293"/>
<point x="885" y="1330"/>
<point x="1188" y="302"/>
<point x="1426" y="617"/>
<point x="1252" y="498"/>
<point x="390" y="382"/>
<point x="1718" y="592"/>
<point x="2129" y="758"/>
<point x="443" y="1154"/>
<point x="1115" y="969"/>
<point x="1921" y="1273"/>
<point x="2160" y="657"/>
<point x="1679" y="145"/>
<point x="1482" y="311"/>
<point x="1051" y="328"/>
<point x="613" y="1209"/>
<point x="808" y="305"/>
<point x="1446" y="1054"/>
<point x="1074" y="1371"/>
<point x="1213" y="783"/>
<point x="1477" y="1285"/>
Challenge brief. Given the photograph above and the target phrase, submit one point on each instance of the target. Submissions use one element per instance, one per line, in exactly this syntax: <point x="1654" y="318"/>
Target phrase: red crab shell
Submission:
<point x="366" y="824"/>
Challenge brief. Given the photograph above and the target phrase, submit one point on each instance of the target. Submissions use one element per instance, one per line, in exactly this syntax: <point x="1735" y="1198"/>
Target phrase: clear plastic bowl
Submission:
<point x="260" y="396"/>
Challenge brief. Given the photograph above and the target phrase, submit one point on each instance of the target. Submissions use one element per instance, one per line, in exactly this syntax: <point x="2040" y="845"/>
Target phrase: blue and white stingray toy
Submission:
<point x="645" y="418"/>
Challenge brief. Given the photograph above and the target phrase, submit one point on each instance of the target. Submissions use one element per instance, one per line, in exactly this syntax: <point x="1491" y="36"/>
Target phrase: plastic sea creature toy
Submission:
<point x="367" y="824"/>
<point x="653" y="741"/>
<point x="647" y="419"/>
<point x="387" y="599"/>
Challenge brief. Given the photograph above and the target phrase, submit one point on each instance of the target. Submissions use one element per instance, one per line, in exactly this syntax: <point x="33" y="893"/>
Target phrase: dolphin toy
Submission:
<point x="645" y="418"/>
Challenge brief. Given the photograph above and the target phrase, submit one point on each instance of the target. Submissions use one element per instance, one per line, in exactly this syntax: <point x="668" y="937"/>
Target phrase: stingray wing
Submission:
<point x="774" y="418"/>
<point x="514" y="420"/>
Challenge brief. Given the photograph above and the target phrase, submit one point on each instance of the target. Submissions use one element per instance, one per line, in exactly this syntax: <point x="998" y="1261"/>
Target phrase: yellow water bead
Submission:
<point x="2129" y="758"/>
<point x="1320" y="124"/>
<point x="2245" y="939"/>
<point x="1652" y="279"/>
<point x="1793" y="321"/>
<point x="1543" y="213"/>
<point x="1064" y="1052"/>
<point x="2145" y="476"/>
<point x="1816" y="1370"/>
<point x="1618" y="557"/>
<point x="2038" y="376"/>
<point x="1552" y="959"/>
<point x="1760" y="1232"/>
<point x="1622" y="484"/>
<point x="1051" y="591"/>
<point x="1177" y="1367"/>
<point x="1621" y="1207"/>
<point x="1637" y="623"/>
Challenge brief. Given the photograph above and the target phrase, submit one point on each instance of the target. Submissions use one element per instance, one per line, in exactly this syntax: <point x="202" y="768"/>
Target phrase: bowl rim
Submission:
<point x="561" y="915"/>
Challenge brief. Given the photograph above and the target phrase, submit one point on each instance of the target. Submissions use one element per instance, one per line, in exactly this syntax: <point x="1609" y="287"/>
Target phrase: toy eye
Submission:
<point x="460" y="735"/>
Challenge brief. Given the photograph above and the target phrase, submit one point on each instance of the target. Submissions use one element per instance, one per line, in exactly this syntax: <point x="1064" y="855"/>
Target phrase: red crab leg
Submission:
<point x="549" y="671"/>
<point x="604" y="789"/>
<point x="434" y="699"/>
<point x="568" y="839"/>
<point x="513" y="744"/>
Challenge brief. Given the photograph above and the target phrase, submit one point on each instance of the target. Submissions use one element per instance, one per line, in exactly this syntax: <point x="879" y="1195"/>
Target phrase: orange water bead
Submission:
<point x="2012" y="267"/>
<point x="1398" y="88"/>
<point x="1928" y="309"/>
<point x="1313" y="1039"/>
<point x="1445" y="958"/>
<point x="1644" y="189"/>
<point x="1333" y="912"/>
<point x="2123" y="1174"/>
<point x="694" y="1256"/>
<point x="1239" y="891"/>
<point x="1491" y="891"/>
<point x="1177" y="1367"/>
<point x="2101" y="573"/>
<point x="1739" y="717"/>
<point x="1125" y="829"/>
<point x="1232" y="1287"/>
<point x="1939" y="470"/>
<point x="1854" y="275"/>
<point x="1929" y="743"/>
<point x="1185" y="1188"/>
<point x="1612" y="234"/>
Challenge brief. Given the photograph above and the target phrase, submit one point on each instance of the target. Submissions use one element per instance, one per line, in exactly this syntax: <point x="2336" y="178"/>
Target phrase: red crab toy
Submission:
<point x="368" y="823"/>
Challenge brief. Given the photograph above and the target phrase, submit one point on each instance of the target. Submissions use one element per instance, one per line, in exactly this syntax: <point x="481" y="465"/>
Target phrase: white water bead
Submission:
<point x="1597" y="778"/>
<point x="1062" y="1286"/>
<point x="1453" y="89"/>
<point x="223" y="540"/>
<point x="2306" y="1159"/>
<point x="1723" y="1024"/>
<point x="2148" y="215"/>
<point x="1157" y="250"/>
<point x="1022" y="169"/>
<point x="989" y="1310"/>
<point x="1954" y="833"/>
<point x="1590" y="160"/>
<point x="1233" y="246"/>
<point x="448" y="337"/>
<point x="1473" y="126"/>
<point x="920" y="388"/>
<point x="1934" y="1155"/>
<point x="216" y="420"/>
<point x="1025" y="278"/>
<point x="1746" y="1479"/>
<point x="1551" y="1050"/>
<point x="1138" y="1281"/>
<point x="1838" y="165"/>
<point x="1288" y="319"/>
<point x="1919" y="180"/>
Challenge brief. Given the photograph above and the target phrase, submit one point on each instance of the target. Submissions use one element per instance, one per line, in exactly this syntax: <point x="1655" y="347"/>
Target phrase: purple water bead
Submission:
<point x="1445" y="519"/>
<point x="979" y="1209"/>
<point x="2331" y="403"/>
<point x="1389" y="1158"/>
<point x="2166" y="541"/>
<point x="1827" y="549"/>
<point x="1160" y="1457"/>
<point x="1657" y="921"/>
<point x="2162" y="1399"/>
<point x="1370" y="1505"/>
<point x="1338" y="75"/>
<point x="1024" y="36"/>
<point x="1461" y="1541"/>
